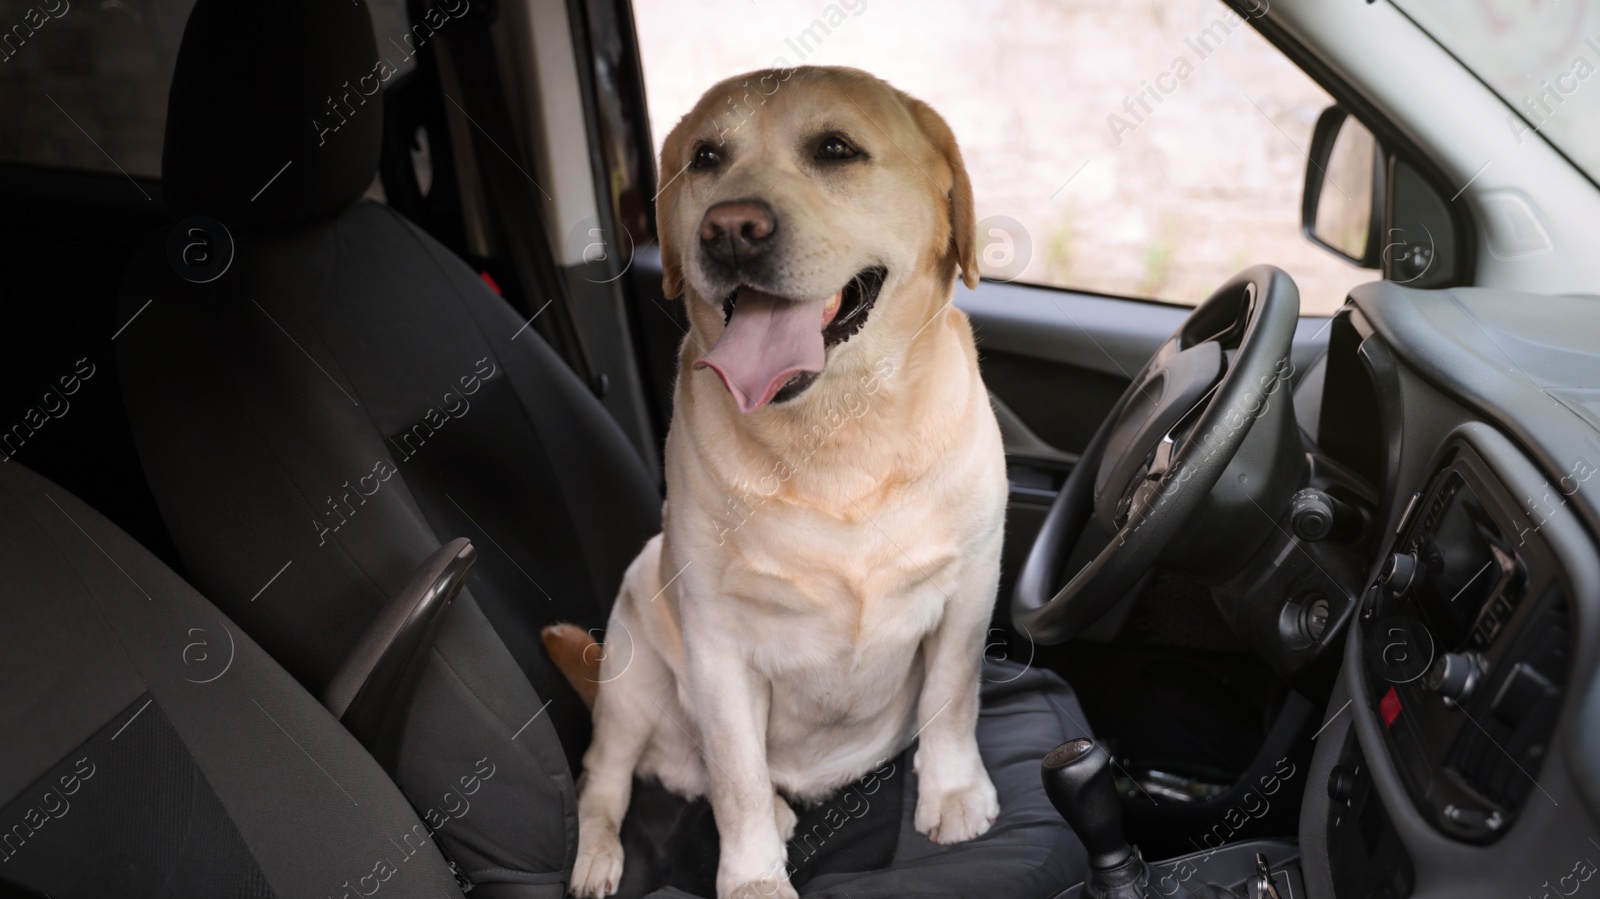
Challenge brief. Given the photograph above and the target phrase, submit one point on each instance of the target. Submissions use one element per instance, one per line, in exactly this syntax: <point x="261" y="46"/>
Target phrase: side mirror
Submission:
<point x="1342" y="209"/>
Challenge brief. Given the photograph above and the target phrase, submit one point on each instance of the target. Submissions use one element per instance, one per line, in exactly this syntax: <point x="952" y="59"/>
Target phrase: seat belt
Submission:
<point x="509" y="192"/>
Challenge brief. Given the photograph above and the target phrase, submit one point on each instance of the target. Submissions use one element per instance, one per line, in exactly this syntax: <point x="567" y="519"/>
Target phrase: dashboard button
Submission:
<point x="1311" y="514"/>
<point x="1341" y="783"/>
<point x="1389" y="707"/>
<point x="1399" y="572"/>
<point x="1475" y="820"/>
<point x="1455" y="675"/>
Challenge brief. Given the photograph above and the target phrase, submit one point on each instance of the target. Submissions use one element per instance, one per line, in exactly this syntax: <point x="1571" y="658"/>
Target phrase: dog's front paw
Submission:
<point x="956" y="815"/>
<point x="753" y="881"/>
<point x="598" y="869"/>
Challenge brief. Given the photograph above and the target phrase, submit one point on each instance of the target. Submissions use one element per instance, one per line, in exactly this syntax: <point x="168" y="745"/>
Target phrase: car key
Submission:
<point x="1263" y="887"/>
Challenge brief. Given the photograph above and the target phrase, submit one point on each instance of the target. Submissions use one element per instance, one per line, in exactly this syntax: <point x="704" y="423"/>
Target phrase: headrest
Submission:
<point x="275" y="118"/>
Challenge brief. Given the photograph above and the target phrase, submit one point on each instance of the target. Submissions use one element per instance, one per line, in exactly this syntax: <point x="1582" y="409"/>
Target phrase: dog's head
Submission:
<point x="811" y="218"/>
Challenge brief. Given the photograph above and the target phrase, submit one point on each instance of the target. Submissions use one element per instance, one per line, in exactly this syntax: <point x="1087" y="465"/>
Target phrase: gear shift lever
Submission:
<point x="1077" y="778"/>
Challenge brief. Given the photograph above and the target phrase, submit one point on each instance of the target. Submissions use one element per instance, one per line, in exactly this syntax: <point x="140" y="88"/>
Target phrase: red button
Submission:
<point x="1389" y="707"/>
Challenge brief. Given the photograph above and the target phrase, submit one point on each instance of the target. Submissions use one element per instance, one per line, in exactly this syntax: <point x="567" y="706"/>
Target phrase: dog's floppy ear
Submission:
<point x="666" y="203"/>
<point x="963" y="217"/>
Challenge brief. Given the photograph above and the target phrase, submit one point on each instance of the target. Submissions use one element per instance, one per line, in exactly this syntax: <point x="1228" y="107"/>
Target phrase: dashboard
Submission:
<point x="1460" y="751"/>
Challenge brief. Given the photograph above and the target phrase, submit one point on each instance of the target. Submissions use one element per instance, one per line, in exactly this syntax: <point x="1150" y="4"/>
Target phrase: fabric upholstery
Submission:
<point x="104" y="644"/>
<point x="318" y="421"/>
<point x="345" y="399"/>
<point x="135" y="769"/>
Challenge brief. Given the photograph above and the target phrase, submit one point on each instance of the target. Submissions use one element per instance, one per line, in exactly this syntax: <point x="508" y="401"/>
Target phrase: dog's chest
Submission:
<point x="818" y="596"/>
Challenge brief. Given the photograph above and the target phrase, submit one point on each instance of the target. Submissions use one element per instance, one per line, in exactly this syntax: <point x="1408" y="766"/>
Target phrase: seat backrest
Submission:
<point x="152" y="748"/>
<point x="345" y="397"/>
<point x="349" y="394"/>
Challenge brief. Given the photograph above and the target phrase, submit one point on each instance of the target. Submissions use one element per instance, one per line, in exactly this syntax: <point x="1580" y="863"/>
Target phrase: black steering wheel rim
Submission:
<point x="1262" y="306"/>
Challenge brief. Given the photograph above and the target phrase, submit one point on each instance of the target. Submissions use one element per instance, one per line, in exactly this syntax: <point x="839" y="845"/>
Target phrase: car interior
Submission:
<point x="337" y="364"/>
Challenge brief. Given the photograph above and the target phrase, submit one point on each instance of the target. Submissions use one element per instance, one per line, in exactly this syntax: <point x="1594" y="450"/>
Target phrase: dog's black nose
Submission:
<point x="738" y="231"/>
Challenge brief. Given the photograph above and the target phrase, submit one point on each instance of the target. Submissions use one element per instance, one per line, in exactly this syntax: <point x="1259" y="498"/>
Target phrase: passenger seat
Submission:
<point x="152" y="749"/>
<point x="346" y="398"/>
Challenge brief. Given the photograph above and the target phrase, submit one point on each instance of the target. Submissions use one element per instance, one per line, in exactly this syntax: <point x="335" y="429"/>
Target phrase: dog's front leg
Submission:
<point x="956" y="801"/>
<point x="732" y="702"/>
<point x="624" y="710"/>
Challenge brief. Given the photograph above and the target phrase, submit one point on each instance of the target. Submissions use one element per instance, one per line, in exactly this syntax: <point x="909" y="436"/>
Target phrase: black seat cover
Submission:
<point x="152" y="749"/>
<point x="342" y="346"/>
<point x="344" y="400"/>
<point x="349" y="395"/>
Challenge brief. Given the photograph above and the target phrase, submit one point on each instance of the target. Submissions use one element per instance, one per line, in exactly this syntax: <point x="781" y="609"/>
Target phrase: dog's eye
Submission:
<point x="705" y="157"/>
<point x="835" y="147"/>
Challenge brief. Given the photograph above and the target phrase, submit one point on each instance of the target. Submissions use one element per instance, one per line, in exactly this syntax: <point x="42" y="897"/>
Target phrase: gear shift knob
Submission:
<point x="1077" y="778"/>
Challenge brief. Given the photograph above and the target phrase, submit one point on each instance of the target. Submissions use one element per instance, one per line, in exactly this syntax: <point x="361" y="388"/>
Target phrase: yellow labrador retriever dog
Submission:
<point x="836" y="486"/>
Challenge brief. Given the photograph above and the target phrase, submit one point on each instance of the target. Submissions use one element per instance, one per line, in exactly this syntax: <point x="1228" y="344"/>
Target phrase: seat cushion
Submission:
<point x="152" y="748"/>
<point x="861" y="843"/>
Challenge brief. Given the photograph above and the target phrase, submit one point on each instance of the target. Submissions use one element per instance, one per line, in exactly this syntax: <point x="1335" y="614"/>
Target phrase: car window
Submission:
<point x="1142" y="149"/>
<point x="1539" y="57"/>
<point x="83" y="85"/>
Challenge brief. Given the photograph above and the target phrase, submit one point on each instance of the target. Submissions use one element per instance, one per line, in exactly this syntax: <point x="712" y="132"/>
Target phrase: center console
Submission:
<point x="1466" y="636"/>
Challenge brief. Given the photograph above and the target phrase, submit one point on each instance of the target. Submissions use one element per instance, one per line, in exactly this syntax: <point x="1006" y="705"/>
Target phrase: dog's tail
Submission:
<point x="578" y="656"/>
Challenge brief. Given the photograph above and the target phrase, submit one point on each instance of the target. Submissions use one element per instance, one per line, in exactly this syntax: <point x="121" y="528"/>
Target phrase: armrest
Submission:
<point x="371" y="692"/>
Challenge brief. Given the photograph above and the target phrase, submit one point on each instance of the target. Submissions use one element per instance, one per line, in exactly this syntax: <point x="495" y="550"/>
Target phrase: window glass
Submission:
<point x="1541" y="58"/>
<point x="1143" y="149"/>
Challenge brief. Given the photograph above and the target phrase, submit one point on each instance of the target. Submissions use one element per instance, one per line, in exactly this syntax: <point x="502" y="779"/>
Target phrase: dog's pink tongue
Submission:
<point x="766" y="342"/>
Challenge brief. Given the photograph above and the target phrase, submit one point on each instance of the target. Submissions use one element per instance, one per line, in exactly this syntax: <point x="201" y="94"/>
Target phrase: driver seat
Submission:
<point x="349" y="395"/>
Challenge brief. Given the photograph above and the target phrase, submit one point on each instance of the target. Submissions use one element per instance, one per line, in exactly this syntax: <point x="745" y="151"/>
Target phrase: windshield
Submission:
<point x="1541" y="56"/>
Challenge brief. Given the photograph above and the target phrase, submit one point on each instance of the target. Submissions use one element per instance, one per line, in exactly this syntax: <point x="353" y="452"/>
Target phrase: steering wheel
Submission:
<point x="1151" y="467"/>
